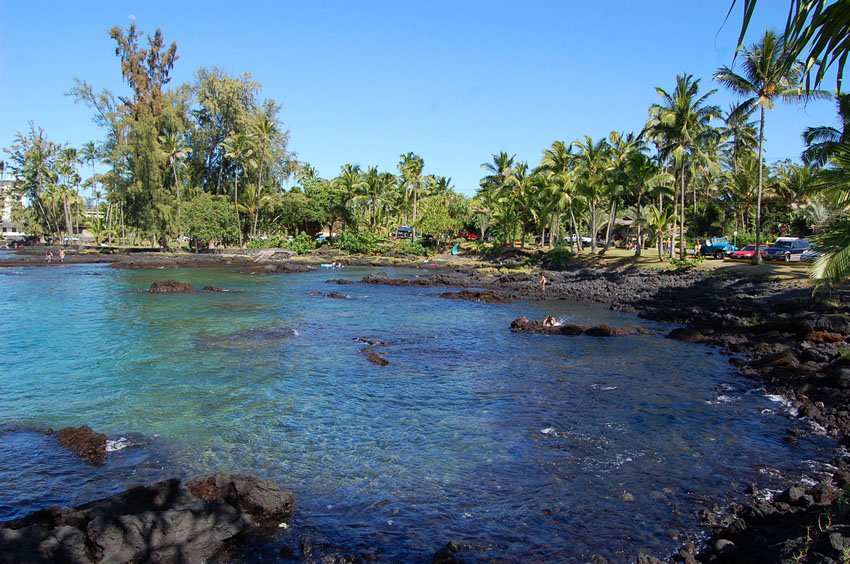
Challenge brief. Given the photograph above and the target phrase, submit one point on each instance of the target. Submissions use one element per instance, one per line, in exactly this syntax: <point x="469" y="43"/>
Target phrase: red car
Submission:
<point x="468" y="236"/>
<point x="747" y="252"/>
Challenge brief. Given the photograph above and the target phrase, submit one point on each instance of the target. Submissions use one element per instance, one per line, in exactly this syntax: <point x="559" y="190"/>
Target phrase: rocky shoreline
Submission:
<point x="794" y="344"/>
<point x="168" y="521"/>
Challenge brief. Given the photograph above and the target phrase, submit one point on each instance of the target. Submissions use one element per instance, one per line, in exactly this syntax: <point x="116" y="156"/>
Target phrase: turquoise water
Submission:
<point x="520" y="445"/>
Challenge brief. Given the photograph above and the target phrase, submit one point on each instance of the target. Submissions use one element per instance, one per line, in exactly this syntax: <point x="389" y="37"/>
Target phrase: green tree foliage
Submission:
<point x="362" y="243"/>
<point x="681" y="123"/>
<point x="770" y="72"/>
<point x="210" y="219"/>
<point x="33" y="161"/>
<point x="443" y="214"/>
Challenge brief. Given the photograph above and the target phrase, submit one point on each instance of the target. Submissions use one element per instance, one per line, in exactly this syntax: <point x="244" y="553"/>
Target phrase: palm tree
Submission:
<point x="410" y="171"/>
<point x="740" y="187"/>
<point x="495" y="189"/>
<point x="821" y="142"/>
<point x="558" y="160"/>
<point x="740" y="134"/>
<point x="90" y="153"/>
<point x="770" y="72"/>
<point x="658" y="220"/>
<point x="591" y="165"/>
<point x="349" y="182"/>
<point x="237" y="147"/>
<point x="682" y="122"/>
<point x="373" y="191"/>
<point x="175" y="149"/>
<point x="820" y="27"/>
<point x="265" y="130"/>
<point x="643" y="177"/>
<point x="617" y="178"/>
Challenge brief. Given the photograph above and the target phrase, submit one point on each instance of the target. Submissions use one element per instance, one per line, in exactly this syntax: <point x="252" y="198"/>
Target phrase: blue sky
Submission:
<point x="365" y="81"/>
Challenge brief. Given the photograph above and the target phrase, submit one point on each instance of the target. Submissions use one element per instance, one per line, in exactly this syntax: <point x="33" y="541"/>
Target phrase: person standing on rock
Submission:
<point x="543" y="282"/>
<point x="49" y="257"/>
<point x="62" y="256"/>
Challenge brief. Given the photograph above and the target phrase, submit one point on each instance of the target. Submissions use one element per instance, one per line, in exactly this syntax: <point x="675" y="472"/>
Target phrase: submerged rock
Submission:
<point x="338" y="296"/>
<point x="369" y="341"/>
<point x="86" y="443"/>
<point x="601" y="330"/>
<point x="216" y="289"/>
<point x="485" y="296"/>
<point x="171" y="287"/>
<point x="278" y="268"/>
<point x="163" y="522"/>
<point x="686" y="334"/>
<point x="374" y="357"/>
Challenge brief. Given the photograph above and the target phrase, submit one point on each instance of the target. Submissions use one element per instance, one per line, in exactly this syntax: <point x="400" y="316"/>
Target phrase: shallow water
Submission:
<point x="519" y="445"/>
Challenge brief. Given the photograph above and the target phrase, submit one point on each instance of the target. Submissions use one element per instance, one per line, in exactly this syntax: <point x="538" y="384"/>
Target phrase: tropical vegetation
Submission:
<point x="209" y="162"/>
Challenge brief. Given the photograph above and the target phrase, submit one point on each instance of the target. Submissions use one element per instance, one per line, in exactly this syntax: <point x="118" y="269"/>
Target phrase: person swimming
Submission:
<point x="550" y="321"/>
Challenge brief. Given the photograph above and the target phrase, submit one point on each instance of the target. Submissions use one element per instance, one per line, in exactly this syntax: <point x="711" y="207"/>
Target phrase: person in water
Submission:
<point x="62" y="255"/>
<point x="550" y="321"/>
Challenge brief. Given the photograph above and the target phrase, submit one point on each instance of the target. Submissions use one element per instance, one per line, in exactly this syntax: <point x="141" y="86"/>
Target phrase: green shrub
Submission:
<point x="683" y="265"/>
<point x="301" y="244"/>
<point x="361" y="243"/>
<point x="408" y="247"/>
<point x="557" y="258"/>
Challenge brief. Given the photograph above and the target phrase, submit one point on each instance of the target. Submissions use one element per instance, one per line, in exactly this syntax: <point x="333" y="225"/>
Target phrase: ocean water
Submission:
<point x="524" y="447"/>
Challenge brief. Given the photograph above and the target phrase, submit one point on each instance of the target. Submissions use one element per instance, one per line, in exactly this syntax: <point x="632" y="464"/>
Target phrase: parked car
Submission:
<point x="469" y="236"/>
<point x="811" y="254"/>
<point x="717" y="247"/>
<point x="747" y="252"/>
<point x="787" y="249"/>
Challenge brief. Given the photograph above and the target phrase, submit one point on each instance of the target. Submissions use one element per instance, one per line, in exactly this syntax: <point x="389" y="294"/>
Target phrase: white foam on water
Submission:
<point x="548" y="431"/>
<point x="721" y="399"/>
<point x="792" y="411"/>
<point x="117" y="444"/>
<point x="817" y="428"/>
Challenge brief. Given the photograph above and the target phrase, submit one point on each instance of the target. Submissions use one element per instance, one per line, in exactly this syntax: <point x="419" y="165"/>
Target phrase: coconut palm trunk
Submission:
<point x="682" y="254"/>
<point x="236" y="206"/>
<point x="576" y="238"/>
<point x="757" y="255"/>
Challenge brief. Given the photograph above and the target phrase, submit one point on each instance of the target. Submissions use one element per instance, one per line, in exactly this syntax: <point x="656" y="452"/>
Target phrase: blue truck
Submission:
<point x="717" y="247"/>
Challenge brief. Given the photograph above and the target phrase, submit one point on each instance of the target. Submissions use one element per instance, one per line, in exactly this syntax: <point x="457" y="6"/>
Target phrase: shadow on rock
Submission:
<point x="166" y="521"/>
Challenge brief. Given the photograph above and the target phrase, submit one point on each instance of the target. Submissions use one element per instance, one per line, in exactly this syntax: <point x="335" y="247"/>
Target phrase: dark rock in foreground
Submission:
<point x="339" y="281"/>
<point x="86" y="443"/>
<point x="163" y="522"/>
<point x="338" y="296"/>
<point x="485" y="296"/>
<point x="171" y="287"/>
<point x="799" y="524"/>
<point x="524" y="325"/>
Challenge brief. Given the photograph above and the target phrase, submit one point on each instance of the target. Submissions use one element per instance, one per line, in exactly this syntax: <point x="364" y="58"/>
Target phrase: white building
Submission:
<point x="8" y="230"/>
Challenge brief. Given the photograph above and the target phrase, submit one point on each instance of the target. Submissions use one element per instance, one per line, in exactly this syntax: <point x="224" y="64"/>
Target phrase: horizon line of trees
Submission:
<point x="209" y="160"/>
